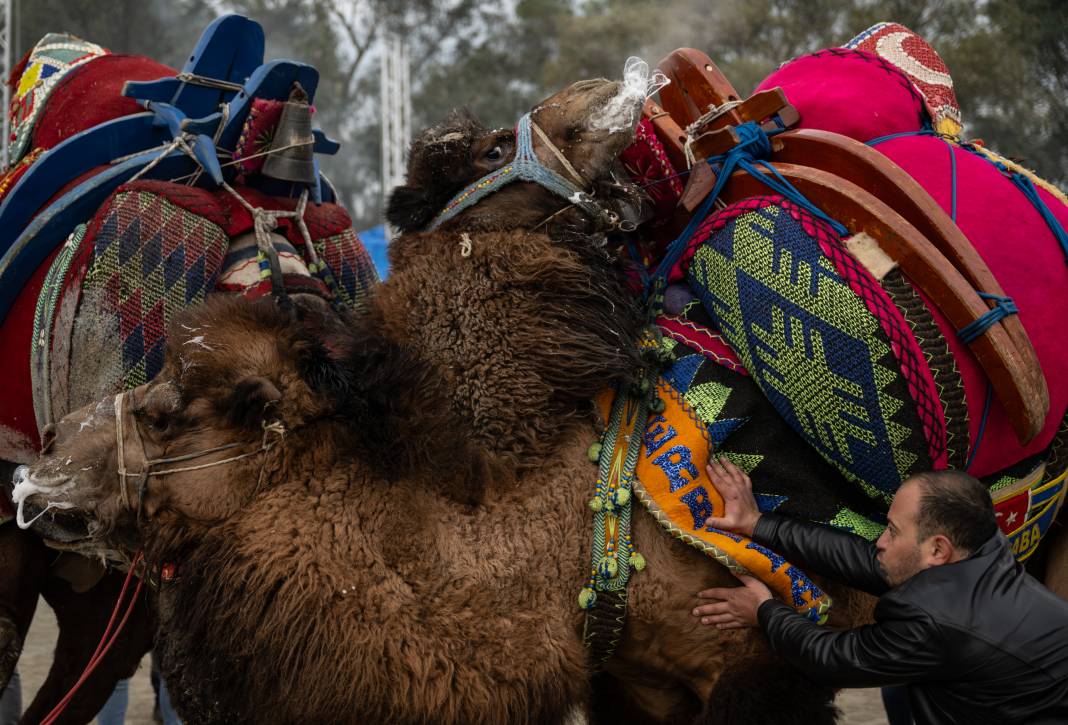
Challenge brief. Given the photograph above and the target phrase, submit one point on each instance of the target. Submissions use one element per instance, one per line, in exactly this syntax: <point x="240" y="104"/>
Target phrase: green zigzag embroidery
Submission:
<point x="708" y="399"/>
<point x="745" y="461"/>
<point x="861" y="525"/>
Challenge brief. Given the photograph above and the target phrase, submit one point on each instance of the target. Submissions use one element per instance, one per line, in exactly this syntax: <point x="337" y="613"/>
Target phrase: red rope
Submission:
<point x="101" y="647"/>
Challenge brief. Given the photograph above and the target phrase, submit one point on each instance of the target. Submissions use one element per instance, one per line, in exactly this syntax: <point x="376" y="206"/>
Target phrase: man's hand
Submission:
<point x="740" y="512"/>
<point x="736" y="606"/>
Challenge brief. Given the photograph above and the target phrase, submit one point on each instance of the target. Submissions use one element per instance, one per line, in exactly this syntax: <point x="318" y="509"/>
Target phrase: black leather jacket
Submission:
<point x="977" y="641"/>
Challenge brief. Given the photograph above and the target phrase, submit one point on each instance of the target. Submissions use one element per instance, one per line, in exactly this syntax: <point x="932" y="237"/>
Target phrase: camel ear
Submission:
<point x="248" y="405"/>
<point x="410" y="208"/>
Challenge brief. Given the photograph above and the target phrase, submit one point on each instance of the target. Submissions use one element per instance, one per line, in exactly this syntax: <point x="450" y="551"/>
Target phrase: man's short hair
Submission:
<point x="956" y="505"/>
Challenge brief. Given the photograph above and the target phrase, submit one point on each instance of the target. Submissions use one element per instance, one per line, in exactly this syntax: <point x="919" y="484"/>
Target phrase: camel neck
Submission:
<point x="520" y="331"/>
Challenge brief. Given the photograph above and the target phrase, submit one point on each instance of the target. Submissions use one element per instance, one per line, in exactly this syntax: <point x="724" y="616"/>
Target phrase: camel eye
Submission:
<point x="158" y="423"/>
<point x="495" y="153"/>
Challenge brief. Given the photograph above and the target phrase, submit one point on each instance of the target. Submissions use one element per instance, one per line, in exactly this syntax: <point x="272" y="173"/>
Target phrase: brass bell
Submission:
<point x="291" y="156"/>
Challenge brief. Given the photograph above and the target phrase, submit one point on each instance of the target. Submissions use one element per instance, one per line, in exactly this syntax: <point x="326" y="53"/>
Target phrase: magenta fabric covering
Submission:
<point x="850" y="92"/>
<point x="1027" y="261"/>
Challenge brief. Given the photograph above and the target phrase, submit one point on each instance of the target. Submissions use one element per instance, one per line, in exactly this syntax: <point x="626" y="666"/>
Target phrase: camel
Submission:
<point x="385" y="520"/>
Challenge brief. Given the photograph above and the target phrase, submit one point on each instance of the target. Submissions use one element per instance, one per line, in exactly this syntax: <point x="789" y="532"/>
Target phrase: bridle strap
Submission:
<point x="557" y="153"/>
<point x="119" y="450"/>
<point x="146" y="471"/>
<point x="527" y="167"/>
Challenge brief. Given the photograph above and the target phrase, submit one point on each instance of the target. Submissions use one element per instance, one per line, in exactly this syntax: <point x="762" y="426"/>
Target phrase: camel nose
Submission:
<point x="48" y="437"/>
<point x="17" y="477"/>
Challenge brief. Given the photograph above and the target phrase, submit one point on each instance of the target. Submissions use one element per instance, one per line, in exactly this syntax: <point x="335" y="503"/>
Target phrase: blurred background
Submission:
<point x="1008" y="58"/>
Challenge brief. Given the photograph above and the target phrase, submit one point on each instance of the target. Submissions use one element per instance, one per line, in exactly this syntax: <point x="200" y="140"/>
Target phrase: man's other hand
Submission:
<point x="735" y="606"/>
<point x="740" y="512"/>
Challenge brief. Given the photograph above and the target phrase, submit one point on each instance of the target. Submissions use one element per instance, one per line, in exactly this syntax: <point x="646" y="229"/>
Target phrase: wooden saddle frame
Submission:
<point x="867" y="192"/>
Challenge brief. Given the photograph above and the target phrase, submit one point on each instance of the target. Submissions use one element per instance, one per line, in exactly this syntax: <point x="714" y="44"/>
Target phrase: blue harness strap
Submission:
<point x="525" y="167"/>
<point x="749" y="154"/>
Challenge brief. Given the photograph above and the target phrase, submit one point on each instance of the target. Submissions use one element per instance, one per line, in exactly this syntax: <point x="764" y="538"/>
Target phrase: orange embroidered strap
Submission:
<point x="672" y="483"/>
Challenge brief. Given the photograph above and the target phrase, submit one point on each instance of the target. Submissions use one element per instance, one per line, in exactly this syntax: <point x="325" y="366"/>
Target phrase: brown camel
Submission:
<point x="400" y="530"/>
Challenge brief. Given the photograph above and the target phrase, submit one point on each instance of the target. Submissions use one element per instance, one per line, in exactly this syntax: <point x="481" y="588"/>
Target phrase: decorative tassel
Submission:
<point x="637" y="561"/>
<point x="594" y="452"/>
<point x="596" y="504"/>
<point x="587" y="598"/>
<point x="657" y="406"/>
<point x="622" y="496"/>
<point x="608" y="567"/>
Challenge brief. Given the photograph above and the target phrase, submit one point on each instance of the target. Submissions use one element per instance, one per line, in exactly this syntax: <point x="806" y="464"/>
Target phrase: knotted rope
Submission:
<point x="749" y="155"/>
<point x="1003" y="307"/>
<point x="264" y="222"/>
<point x="707" y="117"/>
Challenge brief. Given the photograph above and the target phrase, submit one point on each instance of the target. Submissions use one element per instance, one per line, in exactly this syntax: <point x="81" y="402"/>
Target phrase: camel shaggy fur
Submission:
<point x="411" y="549"/>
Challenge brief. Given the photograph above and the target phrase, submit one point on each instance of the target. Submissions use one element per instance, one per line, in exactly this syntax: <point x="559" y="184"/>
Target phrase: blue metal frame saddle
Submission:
<point x="209" y="99"/>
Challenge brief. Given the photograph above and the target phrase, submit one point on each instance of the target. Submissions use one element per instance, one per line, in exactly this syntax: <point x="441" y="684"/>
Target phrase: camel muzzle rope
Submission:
<point x="273" y="428"/>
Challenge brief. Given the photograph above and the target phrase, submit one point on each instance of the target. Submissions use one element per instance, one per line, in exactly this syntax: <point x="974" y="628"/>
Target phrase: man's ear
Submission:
<point x="248" y="404"/>
<point x="941" y="550"/>
<point x="410" y="208"/>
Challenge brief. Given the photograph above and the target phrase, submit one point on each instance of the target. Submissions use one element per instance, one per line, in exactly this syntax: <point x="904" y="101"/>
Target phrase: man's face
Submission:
<point x="901" y="553"/>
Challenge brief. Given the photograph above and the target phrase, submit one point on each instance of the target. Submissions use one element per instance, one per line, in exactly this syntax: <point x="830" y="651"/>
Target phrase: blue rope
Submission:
<point x="890" y="136"/>
<point x="1003" y="307"/>
<point x="778" y="183"/>
<point x="953" y="182"/>
<point x="982" y="427"/>
<point x="952" y="159"/>
<point x="753" y="147"/>
<point x="1025" y="185"/>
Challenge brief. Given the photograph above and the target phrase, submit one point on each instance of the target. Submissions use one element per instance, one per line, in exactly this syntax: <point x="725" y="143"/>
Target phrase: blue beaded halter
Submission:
<point x="525" y="167"/>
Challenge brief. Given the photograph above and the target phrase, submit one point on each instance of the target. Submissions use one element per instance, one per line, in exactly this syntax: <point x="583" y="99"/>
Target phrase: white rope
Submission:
<point x="274" y="427"/>
<point x="265" y="221"/>
<point x="557" y="153"/>
<point x="176" y="143"/>
<point x="707" y="117"/>
<point x="252" y="156"/>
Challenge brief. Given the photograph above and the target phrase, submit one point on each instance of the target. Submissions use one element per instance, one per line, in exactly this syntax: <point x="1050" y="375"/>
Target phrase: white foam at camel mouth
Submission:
<point x="26" y="487"/>
<point x="621" y="111"/>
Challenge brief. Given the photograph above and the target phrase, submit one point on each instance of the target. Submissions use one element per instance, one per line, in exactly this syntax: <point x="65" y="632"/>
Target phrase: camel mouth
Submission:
<point x="44" y="506"/>
<point x="62" y="525"/>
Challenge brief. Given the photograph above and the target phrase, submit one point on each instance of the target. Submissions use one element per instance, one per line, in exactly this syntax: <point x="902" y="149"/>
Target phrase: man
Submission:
<point x="975" y="638"/>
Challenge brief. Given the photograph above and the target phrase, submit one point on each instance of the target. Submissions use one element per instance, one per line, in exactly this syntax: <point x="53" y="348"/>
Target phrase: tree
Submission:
<point x="1009" y="58"/>
<point x="164" y="30"/>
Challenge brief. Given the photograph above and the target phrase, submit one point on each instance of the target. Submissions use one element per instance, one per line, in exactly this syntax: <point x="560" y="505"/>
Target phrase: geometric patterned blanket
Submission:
<point x="836" y="386"/>
<point x="153" y="250"/>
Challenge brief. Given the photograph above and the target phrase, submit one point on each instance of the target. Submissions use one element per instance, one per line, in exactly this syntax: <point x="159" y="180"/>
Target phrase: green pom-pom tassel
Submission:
<point x="594" y="452"/>
<point x="596" y="504"/>
<point x="657" y="406"/>
<point x="622" y="496"/>
<point x="637" y="561"/>
<point x="608" y="567"/>
<point x="587" y="597"/>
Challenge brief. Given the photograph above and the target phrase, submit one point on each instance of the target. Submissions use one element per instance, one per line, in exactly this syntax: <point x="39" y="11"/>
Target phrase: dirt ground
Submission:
<point x="859" y="707"/>
<point x="37" y="656"/>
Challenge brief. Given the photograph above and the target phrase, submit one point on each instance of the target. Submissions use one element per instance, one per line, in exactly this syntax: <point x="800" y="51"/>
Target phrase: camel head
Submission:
<point x="237" y="375"/>
<point x="586" y="126"/>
